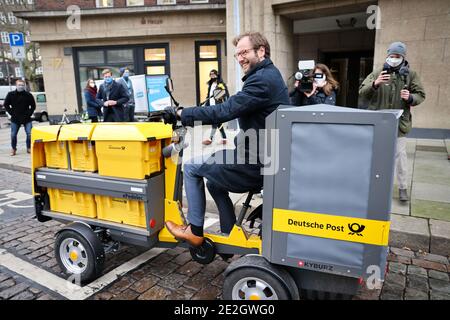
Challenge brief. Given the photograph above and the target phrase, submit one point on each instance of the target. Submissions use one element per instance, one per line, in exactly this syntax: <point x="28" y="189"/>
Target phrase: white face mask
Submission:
<point x="394" y="62"/>
<point x="321" y="82"/>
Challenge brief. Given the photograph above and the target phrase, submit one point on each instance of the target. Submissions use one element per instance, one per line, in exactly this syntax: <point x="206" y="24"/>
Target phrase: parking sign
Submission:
<point x="16" y="39"/>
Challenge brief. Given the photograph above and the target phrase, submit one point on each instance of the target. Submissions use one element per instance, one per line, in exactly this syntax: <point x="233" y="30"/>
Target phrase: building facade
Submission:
<point x="185" y="39"/>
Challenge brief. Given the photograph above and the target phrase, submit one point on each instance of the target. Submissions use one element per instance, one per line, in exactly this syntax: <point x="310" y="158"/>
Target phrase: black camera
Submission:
<point x="305" y="75"/>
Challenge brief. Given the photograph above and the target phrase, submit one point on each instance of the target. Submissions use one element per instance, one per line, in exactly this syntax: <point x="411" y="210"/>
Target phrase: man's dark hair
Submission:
<point x="257" y="40"/>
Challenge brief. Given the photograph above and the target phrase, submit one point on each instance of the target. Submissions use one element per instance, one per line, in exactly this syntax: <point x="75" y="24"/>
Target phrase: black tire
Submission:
<point x="274" y="288"/>
<point x="92" y="267"/>
<point x="205" y="253"/>
<point x="74" y="121"/>
<point x="43" y="117"/>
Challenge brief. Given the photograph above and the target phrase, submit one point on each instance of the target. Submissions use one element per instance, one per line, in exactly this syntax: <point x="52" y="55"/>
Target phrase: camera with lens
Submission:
<point x="305" y="75"/>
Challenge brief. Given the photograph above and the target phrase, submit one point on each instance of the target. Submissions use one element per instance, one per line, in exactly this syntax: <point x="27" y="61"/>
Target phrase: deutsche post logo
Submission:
<point x="356" y="228"/>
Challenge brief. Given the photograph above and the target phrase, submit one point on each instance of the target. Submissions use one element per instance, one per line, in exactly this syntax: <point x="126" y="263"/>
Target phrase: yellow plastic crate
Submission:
<point x="128" y="159"/>
<point x="71" y="202"/>
<point x="82" y="156"/>
<point x="129" y="212"/>
<point x="56" y="154"/>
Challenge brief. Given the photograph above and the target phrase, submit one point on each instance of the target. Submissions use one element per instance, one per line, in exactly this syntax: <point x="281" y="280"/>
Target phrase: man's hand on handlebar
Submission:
<point x="172" y="114"/>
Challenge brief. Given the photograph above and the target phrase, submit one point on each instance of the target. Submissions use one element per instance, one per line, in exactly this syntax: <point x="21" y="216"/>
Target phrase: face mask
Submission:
<point x="108" y="80"/>
<point x="394" y="62"/>
<point x="320" y="82"/>
<point x="20" y="88"/>
<point x="126" y="75"/>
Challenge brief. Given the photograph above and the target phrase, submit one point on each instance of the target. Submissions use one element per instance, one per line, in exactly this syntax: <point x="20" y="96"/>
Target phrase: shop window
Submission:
<point x="166" y="2"/>
<point x="90" y="57"/>
<point x="104" y="3"/>
<point x="156" y="60"/>
<point x="116" y="56"/>
<point x="134" y="3"/>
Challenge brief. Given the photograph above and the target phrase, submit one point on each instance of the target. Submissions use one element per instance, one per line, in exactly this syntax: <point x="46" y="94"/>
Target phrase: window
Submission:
<point x="30" y="1"/>
<point x="27" y="37"/>
<point x="132" y="3"/>
<point x="156" y="60"/>
<point x="18" y="72"/>
<point x="199" y="1"/>
<point x="90" y="57"/>
<point x="166" y="2"/>
<point x="5" y="37"/>
<point x="2" y="18"/>
<point x="116" y="56"/>
<point x="12" y="19"/>
<point x="40" y="98"/>
<point x="207" y="58"/>
<point x="104" y="3"/>
<point x="39" y="70"/>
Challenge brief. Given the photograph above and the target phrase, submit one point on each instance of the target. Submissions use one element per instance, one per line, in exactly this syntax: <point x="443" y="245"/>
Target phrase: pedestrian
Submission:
<point x="112" y="96"/>
<point x="263" y="91"/>
<point x="395" y="86"/>
<point x="217" y="93"/>
<point x="324" y="89"/>
<point x="94" y="109"/>
<point x="20" y="105"/>
<point x="130" y="105"/>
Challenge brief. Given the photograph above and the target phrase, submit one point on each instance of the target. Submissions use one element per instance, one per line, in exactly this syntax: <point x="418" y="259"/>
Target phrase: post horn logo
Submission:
<point x="356" y="228"/>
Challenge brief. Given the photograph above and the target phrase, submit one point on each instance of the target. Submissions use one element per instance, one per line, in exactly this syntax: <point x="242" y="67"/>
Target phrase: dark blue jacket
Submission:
<point x="263" y="91"/>
<point x="94" y="109"/>
<point x="299" y="99"/>
<point x="117" y="93"/>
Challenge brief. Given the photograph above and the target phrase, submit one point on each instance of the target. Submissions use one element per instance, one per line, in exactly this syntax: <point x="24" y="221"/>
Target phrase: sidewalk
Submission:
<point x="422" y="224"/>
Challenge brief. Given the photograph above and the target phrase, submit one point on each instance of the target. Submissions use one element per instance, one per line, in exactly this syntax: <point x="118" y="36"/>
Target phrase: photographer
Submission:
<point x="324" y="88"/>
<point x="396" y="86"/>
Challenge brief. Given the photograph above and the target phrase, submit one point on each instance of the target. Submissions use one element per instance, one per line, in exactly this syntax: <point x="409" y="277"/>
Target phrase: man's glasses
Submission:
<point x="242" y="53"/>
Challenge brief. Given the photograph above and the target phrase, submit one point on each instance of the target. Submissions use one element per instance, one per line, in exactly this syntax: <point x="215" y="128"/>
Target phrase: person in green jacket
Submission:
<point x="395" y="86"/>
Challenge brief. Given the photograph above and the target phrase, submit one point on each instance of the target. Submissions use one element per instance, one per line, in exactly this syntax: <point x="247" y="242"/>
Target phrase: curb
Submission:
<point x="14" y="167"/>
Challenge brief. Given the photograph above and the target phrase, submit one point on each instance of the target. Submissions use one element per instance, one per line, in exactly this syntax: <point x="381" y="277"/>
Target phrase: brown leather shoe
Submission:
<point x="13" y="152"/>
<point x="207" y="142"/>
<point x="28" y="150"/>
<point x="184" y="233"/>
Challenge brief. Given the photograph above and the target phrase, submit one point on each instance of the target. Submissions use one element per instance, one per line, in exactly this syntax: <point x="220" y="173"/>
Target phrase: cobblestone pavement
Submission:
<point x="172" y="274"/>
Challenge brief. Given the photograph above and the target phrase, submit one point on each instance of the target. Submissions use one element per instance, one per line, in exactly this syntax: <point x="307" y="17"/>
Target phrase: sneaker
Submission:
<point x="28" y="150"/>
<point x="207" y="142"/>
<point x="13" y="152"/>
<point x="403" y="195"/>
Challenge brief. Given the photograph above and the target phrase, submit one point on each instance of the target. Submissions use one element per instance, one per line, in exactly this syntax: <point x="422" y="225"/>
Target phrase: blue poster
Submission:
<point x="158" y="98"/>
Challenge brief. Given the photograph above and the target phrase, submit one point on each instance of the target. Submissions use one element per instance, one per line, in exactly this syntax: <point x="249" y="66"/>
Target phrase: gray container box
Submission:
<point x="327" y="207"/>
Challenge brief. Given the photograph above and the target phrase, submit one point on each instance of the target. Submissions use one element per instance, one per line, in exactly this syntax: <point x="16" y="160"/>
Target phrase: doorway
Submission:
<point x="349" y="69"/>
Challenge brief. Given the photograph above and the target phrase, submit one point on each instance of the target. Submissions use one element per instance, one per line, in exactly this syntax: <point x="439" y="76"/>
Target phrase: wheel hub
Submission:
<point x="253" y="289"/>
<point x="73" y="256"/>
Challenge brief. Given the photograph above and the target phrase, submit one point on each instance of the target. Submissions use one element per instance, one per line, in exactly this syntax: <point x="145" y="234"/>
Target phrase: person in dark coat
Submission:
<point x="112" y="96"/>
<point x="263" y="91"/>
<point x="20" y="105"/>
<point x="323" y="92"/>
<point x="216" y="84"/>
<point x="94" y="109"/>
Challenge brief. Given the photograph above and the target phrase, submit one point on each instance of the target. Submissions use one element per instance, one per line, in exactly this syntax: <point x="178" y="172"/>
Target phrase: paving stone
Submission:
<point x="429" y="265"/>
<point x="395" y="267"/>
<point x="181" y="293"/>
<point x="432" y="257"/>
<point x="214" y="268"/>
<point x="198" y="281"/>
<point x="155" y="293"/>
<point x="441" y="286"/>
<point x="400" y="259"/>
<point x="402" y="252"/>
<point x="23" y="252"/>
<point x="4" y="276"/>
<point x="208" y="293"/>
<point x="144" y="284"/>
<point x="46" y="297"/>
<point x="436" y="295"/>
<point x="409" y="232"/>
<point x="396" y="278"/>
<point x="164" y="270"/>
<point x="7" y="284"/>
<point x="417" y="271"/>
<point x="126" y="295"/>
<point x="161" y="259"/>
<point x="414" y="294"/>
<point x="173" y="281"/>
<point x="35" y="291"/>
<point x="443" y="276"/>
<point x="190" y="268"/>
<point x="11" y="244"/>
<point x="12" y="291"/>
<point x="120" y="285"/>
<point x="440" y="237"/>
<point x="218" y="281"/>
<point x="25" y="295"/>
<point x="417" y="282"/>
<point x="183" y="258"/>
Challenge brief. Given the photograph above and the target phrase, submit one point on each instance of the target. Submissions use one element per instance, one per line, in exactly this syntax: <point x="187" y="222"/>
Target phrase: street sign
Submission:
<point x="18" y="52"/>
<point x="16" y="39"/>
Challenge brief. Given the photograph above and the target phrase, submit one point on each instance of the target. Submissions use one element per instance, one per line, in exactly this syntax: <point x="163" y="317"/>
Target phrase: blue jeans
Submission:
<point x="15" y="129"/>
<point x="195" y="193"/>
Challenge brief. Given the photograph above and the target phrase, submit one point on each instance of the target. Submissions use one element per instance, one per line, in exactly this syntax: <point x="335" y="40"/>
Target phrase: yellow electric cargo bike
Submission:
<point x="325" y="213"/>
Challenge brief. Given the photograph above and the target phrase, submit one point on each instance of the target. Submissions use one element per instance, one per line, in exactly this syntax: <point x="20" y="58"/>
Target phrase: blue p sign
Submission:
<point x="16" y="39"/>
